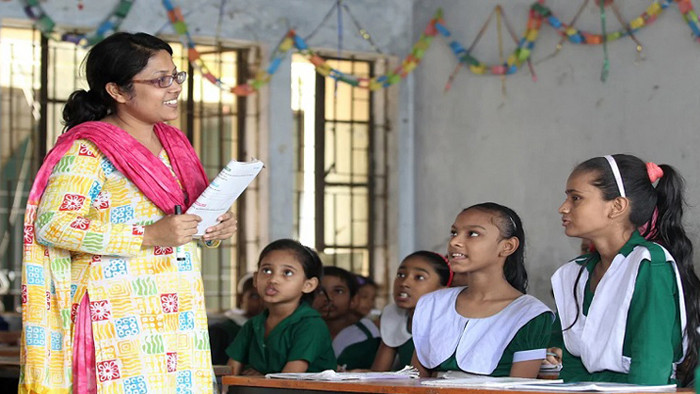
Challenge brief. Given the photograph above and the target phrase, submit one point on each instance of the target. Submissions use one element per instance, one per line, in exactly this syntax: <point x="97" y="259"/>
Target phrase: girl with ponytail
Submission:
<point x="490" y="326"/>
<point x="628" y="310"/>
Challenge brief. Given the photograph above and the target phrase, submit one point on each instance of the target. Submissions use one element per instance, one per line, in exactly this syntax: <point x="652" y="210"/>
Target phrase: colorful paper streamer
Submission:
<point x="538" y="14"/>
<point x="109" y="25"/>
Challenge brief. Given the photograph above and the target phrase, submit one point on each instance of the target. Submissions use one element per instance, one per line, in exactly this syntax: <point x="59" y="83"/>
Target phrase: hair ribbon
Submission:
<point x="616" y="173"/>
<point x="449" y="267"/>
<point x="654" y="171"/>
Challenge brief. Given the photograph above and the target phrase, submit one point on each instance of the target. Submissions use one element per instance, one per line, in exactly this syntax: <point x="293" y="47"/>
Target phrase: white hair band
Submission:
<point x="616" y="172"/>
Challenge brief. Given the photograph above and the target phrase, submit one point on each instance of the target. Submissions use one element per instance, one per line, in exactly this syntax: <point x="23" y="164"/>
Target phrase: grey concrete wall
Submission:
<point x="473" y="144"/>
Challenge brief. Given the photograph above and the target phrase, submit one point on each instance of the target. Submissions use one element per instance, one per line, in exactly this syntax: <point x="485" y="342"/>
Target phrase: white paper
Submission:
<point x="330" y="375"/>
<point x="222" y="192"/>
<point x="489" y="382"/>
<point x="603" y="387"/>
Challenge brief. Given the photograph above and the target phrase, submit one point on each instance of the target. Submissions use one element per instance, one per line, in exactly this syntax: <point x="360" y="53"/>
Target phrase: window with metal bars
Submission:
<point x="341" y="144"/>
<point x="36" y="77"/>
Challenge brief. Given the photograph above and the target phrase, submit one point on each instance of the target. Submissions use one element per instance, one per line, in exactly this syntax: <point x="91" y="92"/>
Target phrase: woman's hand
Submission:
<point x="224" y="230"/>
<point x="172" y="230"/>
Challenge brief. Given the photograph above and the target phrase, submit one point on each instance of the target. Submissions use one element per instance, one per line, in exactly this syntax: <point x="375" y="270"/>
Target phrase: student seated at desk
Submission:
<point x="366" y="299"/>
<point x="222" y="333"/>
<point x="289" y="336"/>
<point x="420" y="273"/>
<point x="354" y="343"/>
<point x="630" y="308"/>
<point x="490" y="326"/>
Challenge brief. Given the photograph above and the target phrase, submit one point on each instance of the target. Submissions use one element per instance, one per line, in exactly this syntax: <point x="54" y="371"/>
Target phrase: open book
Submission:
<point x="221" y="193"/>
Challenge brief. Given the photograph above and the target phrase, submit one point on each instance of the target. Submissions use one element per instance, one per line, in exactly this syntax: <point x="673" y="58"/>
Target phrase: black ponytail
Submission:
<point x="83" y="106"/>
<point x="670" y="233"/>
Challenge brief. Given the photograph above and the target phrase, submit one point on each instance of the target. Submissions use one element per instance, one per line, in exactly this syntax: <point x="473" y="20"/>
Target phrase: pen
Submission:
<point x="179" y="252"/>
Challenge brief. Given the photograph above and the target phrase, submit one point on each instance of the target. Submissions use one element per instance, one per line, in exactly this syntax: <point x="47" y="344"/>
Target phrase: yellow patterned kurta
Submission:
<point x="148" y="315"/>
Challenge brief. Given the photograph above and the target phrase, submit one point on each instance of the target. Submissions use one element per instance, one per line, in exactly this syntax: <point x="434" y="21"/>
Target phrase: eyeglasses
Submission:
<point x="166" y="80"/>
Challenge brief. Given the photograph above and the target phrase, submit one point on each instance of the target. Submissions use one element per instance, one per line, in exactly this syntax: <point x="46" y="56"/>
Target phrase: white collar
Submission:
<point x="394" y="326"/>
<point x="439" y="331"/>
<point x="598" y="338"/>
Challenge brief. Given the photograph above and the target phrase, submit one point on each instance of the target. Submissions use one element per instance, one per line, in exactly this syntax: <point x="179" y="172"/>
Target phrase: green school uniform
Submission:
<point x="533" y="335"/>
<point x="359" y="354"/>
<point x="653" y="338"/>
<point x="405" y="353"/>
<point x="303" y="335"/>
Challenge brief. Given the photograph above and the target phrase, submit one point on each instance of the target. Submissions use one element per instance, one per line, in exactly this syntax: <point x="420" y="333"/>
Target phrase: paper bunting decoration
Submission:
<point x="577" y="36"/>
<point x="46" y="24"/>
<point x="538" y="15"/>
<point x="435" y="27"/>
<point x="515" y="59"/>
<point x="293" y="40"/>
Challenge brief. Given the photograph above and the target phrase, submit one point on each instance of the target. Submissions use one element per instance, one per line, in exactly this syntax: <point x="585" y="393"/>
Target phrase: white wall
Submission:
<point x="473" y="144"/>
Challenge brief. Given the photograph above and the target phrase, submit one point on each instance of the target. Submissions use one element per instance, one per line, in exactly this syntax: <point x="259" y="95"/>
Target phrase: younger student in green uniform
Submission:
<point x="289" y="336"/>
<point x="630" y="308"/>
<point x="490" y="326"/>
<point x="355" y="343"/>
<point x="420" y="273"/>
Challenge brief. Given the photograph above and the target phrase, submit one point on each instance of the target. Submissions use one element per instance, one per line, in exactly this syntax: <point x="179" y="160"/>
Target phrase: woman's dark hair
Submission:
<point x="665" y="229"/>
<point x="344" y="275"/>
<point x="307" y="257"/>
<point x="117" y="58"/>
<point x="437" y="261"/>
<point x="510" y="225"/>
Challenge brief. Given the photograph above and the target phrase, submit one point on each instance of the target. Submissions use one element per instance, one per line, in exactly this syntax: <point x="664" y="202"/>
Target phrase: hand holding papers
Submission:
<point x="222" y="192"/>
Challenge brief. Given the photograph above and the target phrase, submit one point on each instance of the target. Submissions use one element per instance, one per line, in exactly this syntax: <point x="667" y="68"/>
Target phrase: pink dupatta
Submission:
<point x="136" y="162"/>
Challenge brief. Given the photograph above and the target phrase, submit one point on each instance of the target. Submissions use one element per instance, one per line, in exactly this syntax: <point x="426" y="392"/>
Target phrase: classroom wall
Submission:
<point x="476" y="144"/>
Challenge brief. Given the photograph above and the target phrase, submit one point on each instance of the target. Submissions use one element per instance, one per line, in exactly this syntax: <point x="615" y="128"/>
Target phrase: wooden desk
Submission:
<point x="257" y="384"/>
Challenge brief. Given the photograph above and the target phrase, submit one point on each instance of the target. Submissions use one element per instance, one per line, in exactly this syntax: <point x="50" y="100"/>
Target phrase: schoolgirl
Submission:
<point x="630" y="308"/>
<point x="420" y="273"/>
<point x="289" y="336"/>
<point x="490" y="326"/>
